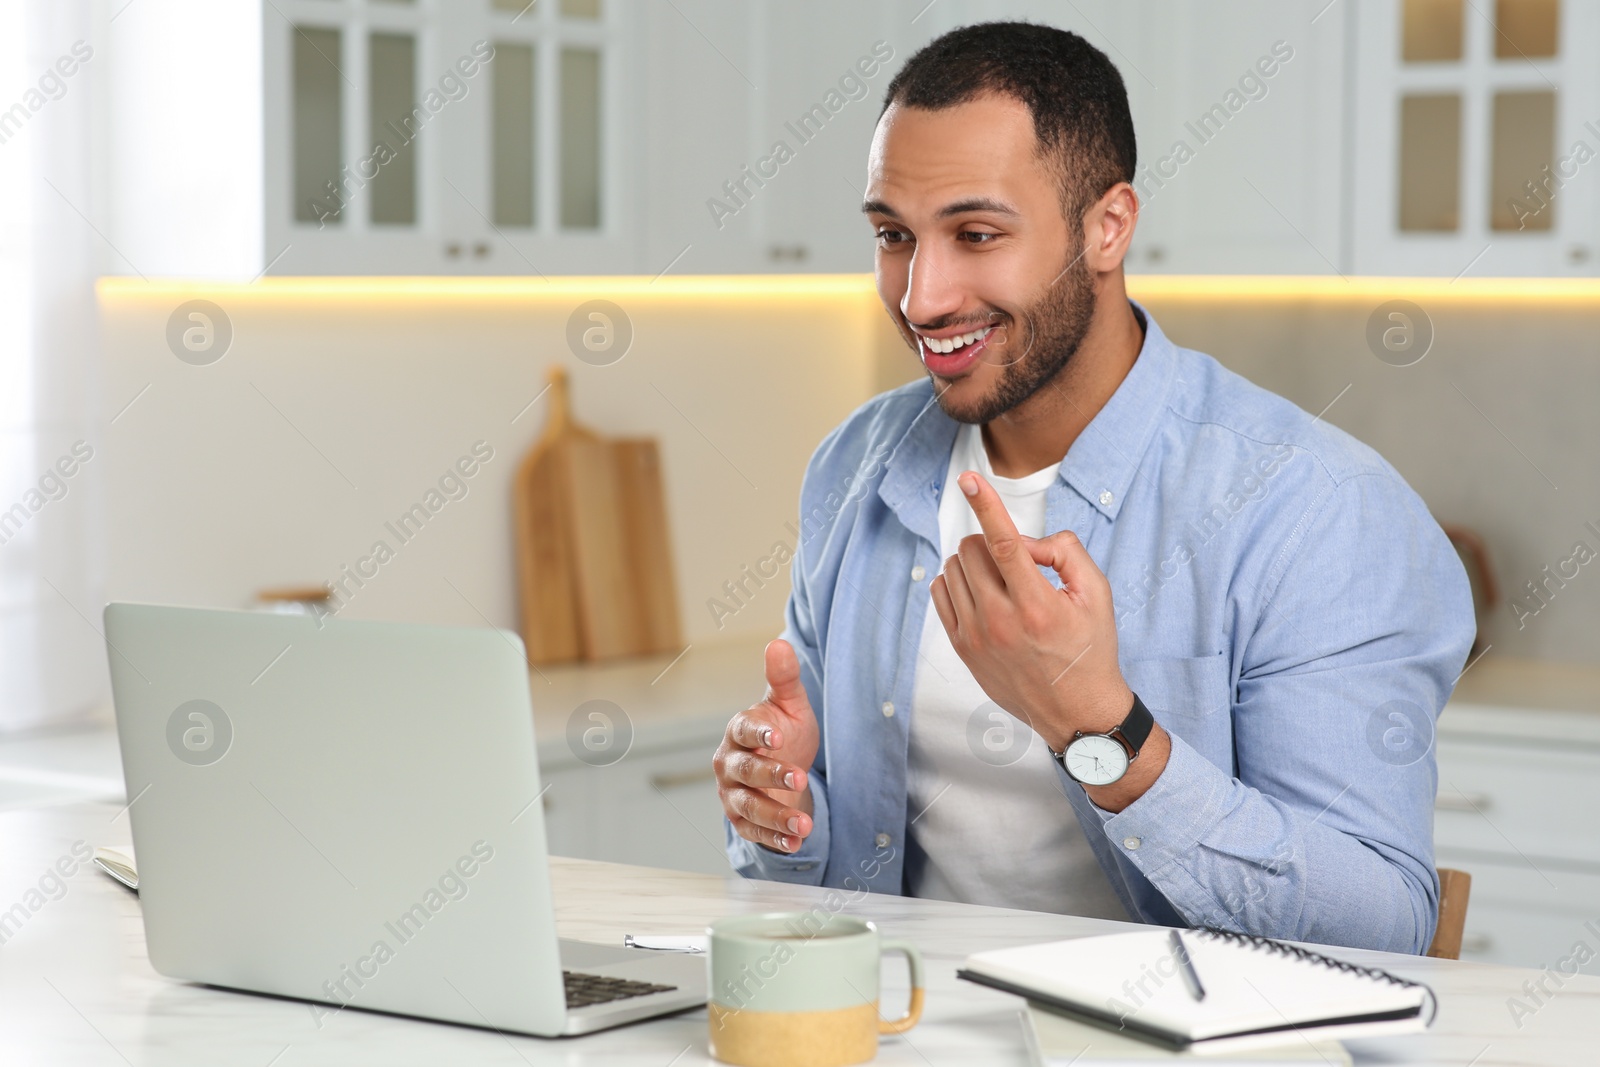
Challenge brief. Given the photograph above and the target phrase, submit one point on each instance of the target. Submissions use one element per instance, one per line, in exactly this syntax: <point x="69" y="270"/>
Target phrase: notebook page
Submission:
<point x="1135" y="977"/>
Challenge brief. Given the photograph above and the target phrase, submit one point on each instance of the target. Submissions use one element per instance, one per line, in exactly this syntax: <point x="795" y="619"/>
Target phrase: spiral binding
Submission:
<point x="1281" y="948"/>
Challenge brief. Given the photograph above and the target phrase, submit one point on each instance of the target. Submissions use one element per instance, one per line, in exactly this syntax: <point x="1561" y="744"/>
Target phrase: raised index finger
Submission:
<point x="1006" y="547"/>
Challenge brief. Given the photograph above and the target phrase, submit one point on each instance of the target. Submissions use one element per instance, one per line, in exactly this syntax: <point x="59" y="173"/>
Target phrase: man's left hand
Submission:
<point x="1046" y="655"/>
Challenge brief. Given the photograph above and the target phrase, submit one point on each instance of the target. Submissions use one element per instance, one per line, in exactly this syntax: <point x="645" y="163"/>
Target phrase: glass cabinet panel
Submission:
<point x="1526" y="29"/>
<point x="512" y="132"/>
<point x="1523" y="150"/>
<point x="1431" y="31"/>
<point x="391" y="96"/>
<point x="580" y="138"/>
<point x="318" y="93"/>
<point x="1430" y="161"/>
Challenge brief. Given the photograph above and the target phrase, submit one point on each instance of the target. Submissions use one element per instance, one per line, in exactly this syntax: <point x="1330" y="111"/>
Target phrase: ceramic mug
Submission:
<point x="800" y="989"/>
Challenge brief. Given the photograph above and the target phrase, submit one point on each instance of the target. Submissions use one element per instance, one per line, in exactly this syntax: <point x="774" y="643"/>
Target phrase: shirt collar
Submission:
<point x="1100" y="465"/>
<point x="1104" y="460"/>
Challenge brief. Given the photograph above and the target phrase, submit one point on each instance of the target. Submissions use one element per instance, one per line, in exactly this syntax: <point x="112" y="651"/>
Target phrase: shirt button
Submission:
<point x="1106" y="498"/>
<point x="888" y="709"/>
<point x="1130" y="843"/>
<point x="882" y="840"/>
<point x="917" y="572"/>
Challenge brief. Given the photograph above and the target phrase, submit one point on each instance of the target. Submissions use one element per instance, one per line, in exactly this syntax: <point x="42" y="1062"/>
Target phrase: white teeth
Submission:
<point x="946" y="345"/>
<point x="951" y="344"/>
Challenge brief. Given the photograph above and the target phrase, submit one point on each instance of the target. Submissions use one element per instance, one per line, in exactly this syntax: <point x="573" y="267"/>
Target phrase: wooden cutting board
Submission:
<point x="594" y="559"/>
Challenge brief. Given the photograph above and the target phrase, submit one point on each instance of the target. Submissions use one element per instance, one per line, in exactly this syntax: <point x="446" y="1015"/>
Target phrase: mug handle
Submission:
<point x="914" y="1011"/>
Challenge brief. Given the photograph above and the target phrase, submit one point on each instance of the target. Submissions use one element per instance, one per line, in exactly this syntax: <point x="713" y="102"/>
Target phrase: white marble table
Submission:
<point x="76" y="986"/>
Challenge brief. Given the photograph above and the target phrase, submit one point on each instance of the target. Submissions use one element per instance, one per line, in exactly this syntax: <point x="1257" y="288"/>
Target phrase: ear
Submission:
<point x="1108" y="228"/>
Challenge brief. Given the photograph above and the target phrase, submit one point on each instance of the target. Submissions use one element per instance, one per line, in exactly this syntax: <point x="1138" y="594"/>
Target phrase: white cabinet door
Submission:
<point x="355" y="127"/>
<point x="545" y="177"/>
<point x="1513" y="812"/>
<point x="1239" y="110"/>
<point x="825" y="67"/>
<point x="1496" y="798"/>
<point x="655" y="809"/>
<point x="568" y="804"/>
<point x="1496" y="135"/>
<point x="662" y="810"/>
<point x="699" y="72"/>
<point x="366" y="137"/>
<point x="1521" y="915"/>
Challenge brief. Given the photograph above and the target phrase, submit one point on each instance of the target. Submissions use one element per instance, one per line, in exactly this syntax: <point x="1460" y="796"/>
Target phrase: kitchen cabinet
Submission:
<point x="824" y="85"/>
<point x="656" y="809"/>
<point x="1391" y="137"/>
<point x="618" y="136"/>
<point x="641" y="790"/>
<point x="758" y="123"/>
<point x="1238" y="112"/>
<point x="1473" y="123"/>
<point x="1517" y="788"/>
<point x="373" y="137"/>
<point x="1237" y="174"/>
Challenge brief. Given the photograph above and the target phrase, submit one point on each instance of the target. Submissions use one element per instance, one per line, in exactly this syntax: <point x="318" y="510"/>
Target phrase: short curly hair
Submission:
<point x="1075" y="94"/>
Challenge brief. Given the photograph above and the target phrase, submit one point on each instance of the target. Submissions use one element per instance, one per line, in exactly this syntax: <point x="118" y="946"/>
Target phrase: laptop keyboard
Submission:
<point x="586" y="989"/>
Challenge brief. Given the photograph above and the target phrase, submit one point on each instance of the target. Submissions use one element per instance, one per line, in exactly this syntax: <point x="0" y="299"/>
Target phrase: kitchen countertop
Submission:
<point x="678" y="700"/>
<point x="1530" y="683"/>
<point x="77" y="986"/>
<point x="1525" y="700"/>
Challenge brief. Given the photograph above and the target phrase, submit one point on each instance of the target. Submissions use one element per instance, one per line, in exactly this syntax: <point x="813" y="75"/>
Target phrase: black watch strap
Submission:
<point x="1135" y="729"/>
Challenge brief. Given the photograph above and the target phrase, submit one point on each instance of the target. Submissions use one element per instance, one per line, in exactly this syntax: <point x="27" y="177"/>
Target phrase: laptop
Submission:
<point x="349" y="813"/>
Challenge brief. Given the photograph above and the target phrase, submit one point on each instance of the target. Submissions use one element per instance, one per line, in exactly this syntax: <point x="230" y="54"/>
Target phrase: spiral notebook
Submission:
<point x="1257" y="992"/>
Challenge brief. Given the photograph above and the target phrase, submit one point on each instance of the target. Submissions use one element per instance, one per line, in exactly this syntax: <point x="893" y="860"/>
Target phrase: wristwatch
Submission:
<point x="1100" y="759"/>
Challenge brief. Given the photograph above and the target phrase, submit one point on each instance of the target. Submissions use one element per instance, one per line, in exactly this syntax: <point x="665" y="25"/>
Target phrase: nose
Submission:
<point x="932" y="289"/>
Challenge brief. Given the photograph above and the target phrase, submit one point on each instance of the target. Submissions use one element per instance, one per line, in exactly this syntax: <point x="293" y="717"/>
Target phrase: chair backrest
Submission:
<point x="1454" y="889"/>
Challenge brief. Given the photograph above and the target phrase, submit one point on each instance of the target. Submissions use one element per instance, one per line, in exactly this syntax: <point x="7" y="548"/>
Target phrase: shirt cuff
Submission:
<point x="806" y="864"/>
<point x="1173" y="815"/>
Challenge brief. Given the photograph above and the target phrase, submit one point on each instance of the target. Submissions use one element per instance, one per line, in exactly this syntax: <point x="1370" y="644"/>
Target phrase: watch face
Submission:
<point x="1096" y="759"/>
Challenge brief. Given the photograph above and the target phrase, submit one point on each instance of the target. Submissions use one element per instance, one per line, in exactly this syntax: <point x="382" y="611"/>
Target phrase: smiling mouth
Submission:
<point x="947" y="345"/>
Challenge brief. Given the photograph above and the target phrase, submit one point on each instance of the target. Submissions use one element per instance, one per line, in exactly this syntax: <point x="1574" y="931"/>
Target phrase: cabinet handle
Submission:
<point x="1473" y="802"/>
<point x="682" y="778"/>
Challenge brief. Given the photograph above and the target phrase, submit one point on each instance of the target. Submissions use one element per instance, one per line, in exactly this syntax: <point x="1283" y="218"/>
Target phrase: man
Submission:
<point x="1183" y="656"/>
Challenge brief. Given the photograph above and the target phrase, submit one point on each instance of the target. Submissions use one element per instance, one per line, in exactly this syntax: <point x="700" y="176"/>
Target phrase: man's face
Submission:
<point x="971" y="237"/>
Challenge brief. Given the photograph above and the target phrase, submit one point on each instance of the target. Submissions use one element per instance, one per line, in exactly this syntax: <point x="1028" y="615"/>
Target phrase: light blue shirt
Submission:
<point x="1286" y="607"/>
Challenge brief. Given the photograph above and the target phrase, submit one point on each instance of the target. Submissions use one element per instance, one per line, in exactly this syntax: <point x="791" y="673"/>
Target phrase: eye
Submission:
<point x="890" y="237"/>
<point x="977" y="237"/>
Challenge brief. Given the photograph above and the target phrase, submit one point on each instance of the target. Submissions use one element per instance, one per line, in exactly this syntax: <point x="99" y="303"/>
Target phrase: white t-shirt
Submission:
<point x="989" y="822"/>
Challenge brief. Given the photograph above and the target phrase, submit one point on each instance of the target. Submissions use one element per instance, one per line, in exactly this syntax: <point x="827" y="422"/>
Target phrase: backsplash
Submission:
<point x="1495" y="426"/>
<point x="339" y="402"/>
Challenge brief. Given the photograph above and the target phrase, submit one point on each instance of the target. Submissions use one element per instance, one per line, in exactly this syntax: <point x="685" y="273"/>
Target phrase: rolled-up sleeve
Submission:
<point x="1323" y="830"/>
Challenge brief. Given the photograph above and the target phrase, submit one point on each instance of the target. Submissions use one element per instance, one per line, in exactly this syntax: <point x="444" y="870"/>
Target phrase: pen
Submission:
<point x="1191" y="977"/>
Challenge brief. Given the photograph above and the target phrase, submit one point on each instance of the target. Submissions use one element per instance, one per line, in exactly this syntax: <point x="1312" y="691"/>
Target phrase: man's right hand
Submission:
<point x="764" y="762"/>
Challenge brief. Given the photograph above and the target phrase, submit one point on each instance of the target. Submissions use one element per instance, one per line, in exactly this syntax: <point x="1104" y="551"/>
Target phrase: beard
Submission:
<point x="1054" y="326"/>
